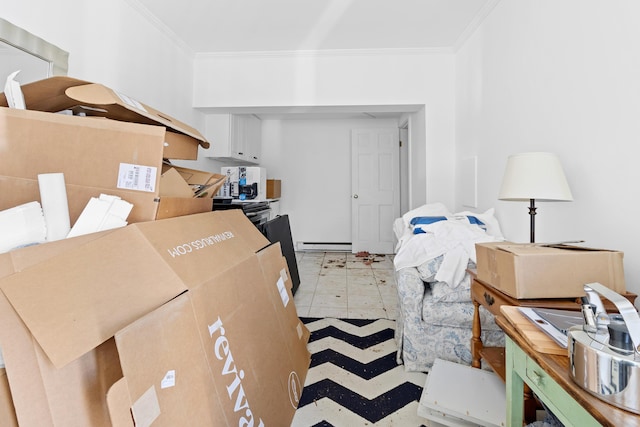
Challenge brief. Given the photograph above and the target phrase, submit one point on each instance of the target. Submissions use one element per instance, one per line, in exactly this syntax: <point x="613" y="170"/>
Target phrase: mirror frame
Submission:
<point x="19" y="38"/>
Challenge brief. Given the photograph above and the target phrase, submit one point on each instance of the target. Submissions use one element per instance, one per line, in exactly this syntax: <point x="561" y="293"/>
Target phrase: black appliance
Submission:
<point x="248" y="191"/>
<point x="279" y="230"/>
<point x="257" y="211"/>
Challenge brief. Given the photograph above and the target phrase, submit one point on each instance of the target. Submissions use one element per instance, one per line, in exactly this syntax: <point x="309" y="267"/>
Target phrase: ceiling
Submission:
<point x="283" y="25"/>
<point x="223" y="26"/>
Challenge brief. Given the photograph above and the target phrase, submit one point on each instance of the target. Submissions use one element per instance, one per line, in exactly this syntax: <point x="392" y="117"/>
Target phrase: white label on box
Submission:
<point x="146" y="409"/>
<point x="283" y="274"/>
<point x="131" y="102"/>
<point x="137" y="177"/>
<point x="169" y="379"/>
<point x="284" y="295"/>
<point x="299" y="330"/>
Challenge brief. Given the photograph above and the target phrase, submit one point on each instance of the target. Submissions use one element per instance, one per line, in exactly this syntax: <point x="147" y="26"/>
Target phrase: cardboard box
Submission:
<point x="96" y="156"/>
<point x="184" y="182"/>
<point x="7" y="413"/>
<point x="244" y="182"/>
<point x="84" y="381"/>
<point x="537" y="271"/>
<point x="274" y="188"/>
<point x="188" y="319"/>
<point x="61" y="93"/>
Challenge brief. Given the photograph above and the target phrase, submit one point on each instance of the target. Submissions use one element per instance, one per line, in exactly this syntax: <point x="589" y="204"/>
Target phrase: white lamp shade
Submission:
<point x="536" y="176"/>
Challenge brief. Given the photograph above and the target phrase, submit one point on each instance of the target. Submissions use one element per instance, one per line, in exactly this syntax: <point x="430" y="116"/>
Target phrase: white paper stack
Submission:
<point x="103" y="213"/>
<point x="22" y="226"/>
<point x="53" y="195"/>
<point x="13" y="92"/>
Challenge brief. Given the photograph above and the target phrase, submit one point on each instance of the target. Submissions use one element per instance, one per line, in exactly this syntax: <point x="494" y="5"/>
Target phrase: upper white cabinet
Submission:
<point x="234" y="137"/>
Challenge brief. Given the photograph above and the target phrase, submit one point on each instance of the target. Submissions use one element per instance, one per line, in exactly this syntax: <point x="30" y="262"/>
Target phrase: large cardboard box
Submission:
<point x="84" y="381"/>
<point x="188" y="320"/>
<point x="539" y="271"/>
<point x="61" y="93"/>
<point x="96" y="156"/>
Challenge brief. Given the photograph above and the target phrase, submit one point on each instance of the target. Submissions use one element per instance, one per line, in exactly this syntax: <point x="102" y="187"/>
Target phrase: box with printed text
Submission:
<point x="96" y="156"/>
<point x="183" y="320"/>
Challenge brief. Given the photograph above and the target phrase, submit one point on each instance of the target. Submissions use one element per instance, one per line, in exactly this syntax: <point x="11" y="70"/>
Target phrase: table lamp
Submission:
<point x="534" y="176"/>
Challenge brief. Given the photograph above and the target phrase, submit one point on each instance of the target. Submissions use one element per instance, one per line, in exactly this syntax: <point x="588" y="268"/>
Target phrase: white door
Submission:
<point x="375" y="196"/>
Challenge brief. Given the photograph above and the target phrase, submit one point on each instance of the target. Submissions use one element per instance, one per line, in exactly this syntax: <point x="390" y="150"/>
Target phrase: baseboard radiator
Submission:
<point x="323" y="247"/>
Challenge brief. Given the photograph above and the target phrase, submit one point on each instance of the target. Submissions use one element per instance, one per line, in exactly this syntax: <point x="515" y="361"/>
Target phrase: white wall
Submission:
<point x="411" y="77"/>
<point x="543" y="75"/>
<point x="31" y="68"/>
<point x="313" y="160"/>
<point x="114" y="44"/>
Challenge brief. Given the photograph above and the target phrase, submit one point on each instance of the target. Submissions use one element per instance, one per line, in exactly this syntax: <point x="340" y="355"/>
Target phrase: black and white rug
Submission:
<point x="353" y="378"/>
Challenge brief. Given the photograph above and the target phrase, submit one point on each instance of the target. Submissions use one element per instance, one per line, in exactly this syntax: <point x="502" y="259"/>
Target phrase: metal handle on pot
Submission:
<point x="627" y="310"/>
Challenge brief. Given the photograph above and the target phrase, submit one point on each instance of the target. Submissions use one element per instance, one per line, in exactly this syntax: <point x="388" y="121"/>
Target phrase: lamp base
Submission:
<point x="532" y="214"/>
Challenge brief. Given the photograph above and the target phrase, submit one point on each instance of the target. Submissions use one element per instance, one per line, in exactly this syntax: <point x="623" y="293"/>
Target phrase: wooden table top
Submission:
<point x="558" y="368"/>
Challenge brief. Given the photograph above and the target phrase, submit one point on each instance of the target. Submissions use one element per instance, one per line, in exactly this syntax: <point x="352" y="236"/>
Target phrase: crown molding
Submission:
<point x="478" y="19"/>
<point x="159" y="25"/>
<point x="484" y="11"/>
<point x="325" y="53"/>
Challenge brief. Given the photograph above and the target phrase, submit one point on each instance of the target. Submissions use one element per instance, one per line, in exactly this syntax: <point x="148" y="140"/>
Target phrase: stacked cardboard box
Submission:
<point x="183" y="317"/>
<point x="182" y="321"/>
<point x="118" y="149"/>
<point x="63" y="93"/>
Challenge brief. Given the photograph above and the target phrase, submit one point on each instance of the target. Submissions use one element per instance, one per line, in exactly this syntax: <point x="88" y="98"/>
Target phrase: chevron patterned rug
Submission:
<point x="354" y="380"/>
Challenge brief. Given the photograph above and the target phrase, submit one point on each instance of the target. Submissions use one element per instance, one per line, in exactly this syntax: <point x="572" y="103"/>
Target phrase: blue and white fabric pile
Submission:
<point x="431" y="231"/>
<point x="435" y="314"/>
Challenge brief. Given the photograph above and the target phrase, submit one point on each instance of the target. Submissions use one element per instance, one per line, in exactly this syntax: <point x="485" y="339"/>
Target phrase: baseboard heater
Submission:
<point x="324" y="246"/>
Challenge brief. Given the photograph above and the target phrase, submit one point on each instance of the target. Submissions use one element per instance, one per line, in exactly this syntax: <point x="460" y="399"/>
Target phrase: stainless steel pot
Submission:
<point x="604" y="358"/>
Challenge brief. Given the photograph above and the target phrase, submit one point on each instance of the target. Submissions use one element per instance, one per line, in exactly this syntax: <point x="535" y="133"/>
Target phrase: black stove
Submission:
<point x="257" y="211"/>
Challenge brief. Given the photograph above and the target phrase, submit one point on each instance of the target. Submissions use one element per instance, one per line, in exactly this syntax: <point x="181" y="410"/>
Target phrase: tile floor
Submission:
<point x="342" y="285"/>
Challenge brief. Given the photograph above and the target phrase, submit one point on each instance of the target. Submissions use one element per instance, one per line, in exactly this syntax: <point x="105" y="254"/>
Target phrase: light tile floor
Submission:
<point x="343" y="285"/>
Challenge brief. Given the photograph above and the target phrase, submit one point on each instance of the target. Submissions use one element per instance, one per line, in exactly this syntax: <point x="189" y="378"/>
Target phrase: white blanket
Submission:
<point x="454" y="238"/>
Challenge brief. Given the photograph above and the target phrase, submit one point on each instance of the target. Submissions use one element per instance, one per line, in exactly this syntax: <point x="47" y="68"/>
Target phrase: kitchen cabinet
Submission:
<point x="234" y="138"/>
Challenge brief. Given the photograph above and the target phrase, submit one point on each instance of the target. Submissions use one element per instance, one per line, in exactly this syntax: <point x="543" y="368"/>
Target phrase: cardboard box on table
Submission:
<point x="187" y="319"/>
<point x="524" y="270"/>
<point x="61" y="93"/>
<point x="96" y="156"/>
